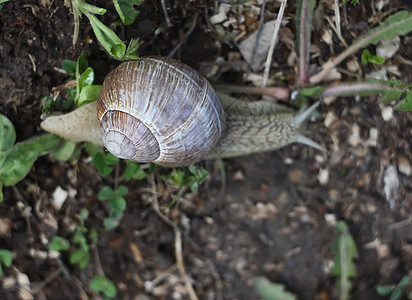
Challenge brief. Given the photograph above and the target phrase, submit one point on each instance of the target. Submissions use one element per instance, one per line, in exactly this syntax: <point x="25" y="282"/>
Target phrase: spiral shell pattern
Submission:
<point x="160" y="110"/>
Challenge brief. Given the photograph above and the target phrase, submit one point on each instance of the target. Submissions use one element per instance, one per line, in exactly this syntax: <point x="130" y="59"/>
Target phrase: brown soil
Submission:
<point x="272" y="217"/>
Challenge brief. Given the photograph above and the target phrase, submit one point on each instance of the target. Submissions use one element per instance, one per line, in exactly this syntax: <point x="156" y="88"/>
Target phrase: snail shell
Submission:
<point x="160" y="110"/>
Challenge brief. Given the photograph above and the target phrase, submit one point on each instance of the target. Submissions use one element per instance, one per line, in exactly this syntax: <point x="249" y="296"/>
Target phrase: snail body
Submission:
<point x="161" y="110"/>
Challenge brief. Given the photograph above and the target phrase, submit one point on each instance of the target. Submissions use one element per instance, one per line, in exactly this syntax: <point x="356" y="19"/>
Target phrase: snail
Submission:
<point x="161" y="110"/>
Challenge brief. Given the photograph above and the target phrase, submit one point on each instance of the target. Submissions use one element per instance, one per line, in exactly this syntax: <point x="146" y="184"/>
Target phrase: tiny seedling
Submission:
<point x="6" y="259"/>
<point x="134" y="171"/>
<point x="190" y="177"/>
<point x="116" y="202"/>
<point x="344" y="253"/>
<point x="106" y="37"/>
<point x="354" y="2"/>
<point x="102" y="284"/>
<point x="104" y="163"/>
<point x="367" y="57"/>
<point x="59" y="243"/>
<point x="402" y="290"/>
<point x="82" y="237"/>
<point x="126" y="10"/>
<point x="272" y="291"/>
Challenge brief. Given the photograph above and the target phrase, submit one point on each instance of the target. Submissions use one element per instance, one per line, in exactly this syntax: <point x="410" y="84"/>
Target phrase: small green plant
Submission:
<point x="354" y="2"/>
<point x="83" y="238"/>
<point x="271" y="291"/>
<point x="190" y="177"/>
<point x="17" y="159"/>
<point x="6" y="259"/>
<point x="344" y="253"/>
<point x="106" y="37"/>
<point x="402" y="290"/>
<point x="104" y="163"/>
<point x="102" y="284"/>
<point x="126" y="10"/>
<point x="59" y="243"/>
<point x="116" y="202"/>
<point x="367" y="57"/>
<point x="134" y="171"/>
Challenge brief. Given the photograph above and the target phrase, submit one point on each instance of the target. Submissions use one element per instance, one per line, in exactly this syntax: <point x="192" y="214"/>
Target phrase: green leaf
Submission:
<point x="80" y="257"/>
<point x="93" y="236"/>
<point x="65" y="152"/>
<point x="107" y="38"/>
<point x="59" y="243"/>
<point x="69" y="66"/>
<point x="86" y="78"/>
<point x="103" y="284"/>
<point x="126" y="10"/>
<point x="47" y="102"/>
<point x="118" y="204"/>
<point x="81" y="64"/>
<point x="118" y="50"/>
<point x="131" y="51"/>
<point x="99" y="160"/>
<point x="344" y="252"/>
<point x="384" y="290"/>
<point x="272" y="291"/>
<point x="80" y="239"/>
<point x="397" y="24"/>
<point x="88" y="94"/>
<point x="106" y="193"/>
<point x="134" y="171"/>
<point x="121" y="190"/>
<point x="7" y="133"/>
<point x="85" y="7"/>
<point x="199" y="176"/>
<point x="91" y="148"/>
<point x="110" y="223"/>
<point x="406" y="103"/>
<point x="16" y="161"/>
<point x="111" y="159"/>
<point x="396" y="294"/>
<point x="84" y="214"/>
<point x="354" y="2"/>
<point x="6" y="257"/>
<point x="367" y="57"/>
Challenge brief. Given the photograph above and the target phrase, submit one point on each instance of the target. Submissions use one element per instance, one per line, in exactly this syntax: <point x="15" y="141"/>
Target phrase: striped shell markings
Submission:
<point x="160" y="110"/>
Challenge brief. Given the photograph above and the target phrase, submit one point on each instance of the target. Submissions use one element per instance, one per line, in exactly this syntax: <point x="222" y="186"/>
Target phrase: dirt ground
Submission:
<point x="273" y="218"/>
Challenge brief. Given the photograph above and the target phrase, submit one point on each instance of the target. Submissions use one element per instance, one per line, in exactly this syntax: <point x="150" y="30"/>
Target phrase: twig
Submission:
<point x="169" y="24"/>
<point x="186" y="36"/>
<point x="273" y="43"/>
<point x="336" y="31"/>
<point x="280" y="93"/>
<point x="97" y="262"/>
<point x="178" y="241"/>
<point x="337" y="19"/>
<point x="38" y="287"/>
<point x="180" y="264"/>
<point x="159" y="278"/>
